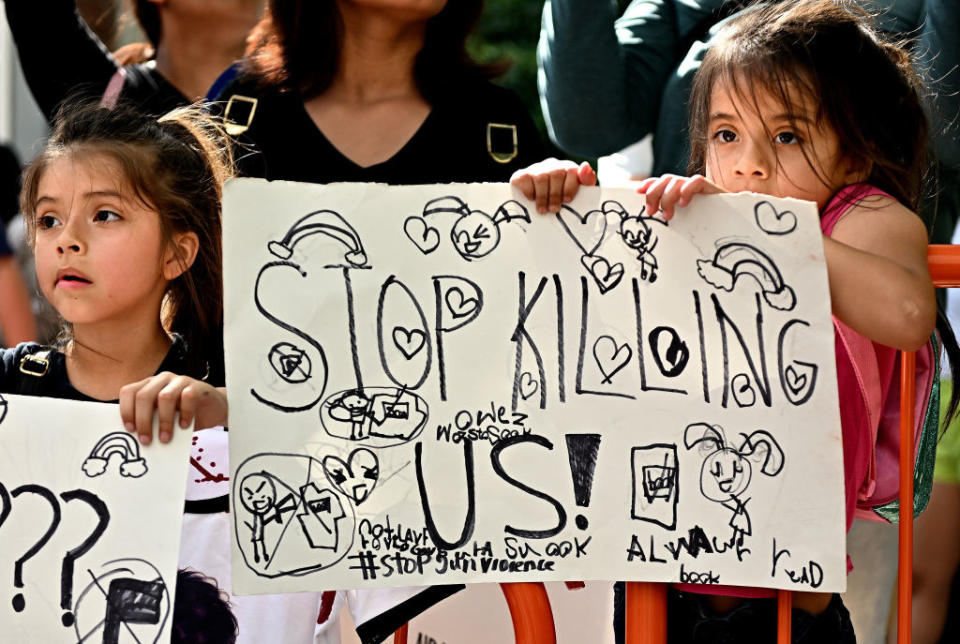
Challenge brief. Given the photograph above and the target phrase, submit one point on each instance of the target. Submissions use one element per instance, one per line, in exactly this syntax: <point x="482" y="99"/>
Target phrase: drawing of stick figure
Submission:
<point x="726" y="470"/>
<point x="258" y="495"/>
<point x="354" y="408"/>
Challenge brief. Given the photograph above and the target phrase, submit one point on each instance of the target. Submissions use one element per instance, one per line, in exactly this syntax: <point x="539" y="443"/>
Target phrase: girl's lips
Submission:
<point x="69" y="280"/>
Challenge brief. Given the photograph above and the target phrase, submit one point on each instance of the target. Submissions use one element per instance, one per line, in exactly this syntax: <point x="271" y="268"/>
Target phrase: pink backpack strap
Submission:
<point x="114" y="87"/>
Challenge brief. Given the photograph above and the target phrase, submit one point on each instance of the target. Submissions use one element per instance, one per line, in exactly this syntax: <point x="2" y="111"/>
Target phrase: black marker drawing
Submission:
<point x="258" y="494"/>
<point x="641" y="235"/>
<point x="320" y="517"/>
<point x="329" y="224"/>
<point x="610" y="357"/>
<point x="582" y="452"/>
<point x="357" y="476"/>
<point x="669" y="351"/>
<point x="656" y="484"/>
<point x="318" y="384"/>
<point x="772" y="221"/>
<point x="424" y="237"/>
<point x="587" y="233"/>
<point x="70" y="559"/>
<point x="528" y="385"/>
<point x="288" y="520"/>
<point x="19" y="602"/>
<point x="409" y="341"/>
<point x="3" y="408"/>
<point x="734" y="260"/>
<point x="743" y="392"/>
<point x="380" y="416"/>
<point x="726" y="472"/>
<point x="290" y="362"/>
<point x="120" y="444"/>
<point x="475" y="234"/>
<point x="124" y="596"/>
<point x="459" y="305"/>
<point x="798" y="379"/>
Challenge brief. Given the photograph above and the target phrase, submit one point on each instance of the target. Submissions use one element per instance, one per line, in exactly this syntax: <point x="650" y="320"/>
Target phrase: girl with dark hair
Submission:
<point x="191" y="43"/>
<point x="375" y="90"/>
<point x="805" y="99"/>
<point x="123" y="214"/>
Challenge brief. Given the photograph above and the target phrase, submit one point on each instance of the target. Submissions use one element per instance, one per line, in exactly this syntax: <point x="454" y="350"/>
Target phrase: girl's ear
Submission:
<point x="181" y="252"/>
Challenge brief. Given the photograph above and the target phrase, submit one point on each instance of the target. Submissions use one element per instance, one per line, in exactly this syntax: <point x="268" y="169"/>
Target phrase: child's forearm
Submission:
<point x="881" y="299"/>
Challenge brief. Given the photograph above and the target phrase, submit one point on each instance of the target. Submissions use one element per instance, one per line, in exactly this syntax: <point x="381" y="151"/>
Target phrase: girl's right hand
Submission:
<point x="666" y="193"/>
<point x="552" y="182"/>
<point x="167" y="394"/>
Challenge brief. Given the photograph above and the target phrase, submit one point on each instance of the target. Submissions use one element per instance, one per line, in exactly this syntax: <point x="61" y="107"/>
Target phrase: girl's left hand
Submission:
<point x="167" y="393"/>
<point x="670" y="191"/>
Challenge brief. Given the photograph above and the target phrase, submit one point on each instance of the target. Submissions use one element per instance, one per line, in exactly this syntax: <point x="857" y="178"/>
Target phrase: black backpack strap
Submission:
<point x="33" y="368"/>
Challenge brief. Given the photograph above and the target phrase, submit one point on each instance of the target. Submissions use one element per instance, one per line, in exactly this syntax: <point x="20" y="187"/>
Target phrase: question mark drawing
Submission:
<point x="5" y="505"/>
<point x="18" y="600"/>
<point x="70" y="559"/>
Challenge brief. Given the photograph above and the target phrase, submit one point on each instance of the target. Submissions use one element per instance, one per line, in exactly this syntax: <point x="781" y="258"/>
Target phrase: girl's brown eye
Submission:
<point x="787" y="138"/>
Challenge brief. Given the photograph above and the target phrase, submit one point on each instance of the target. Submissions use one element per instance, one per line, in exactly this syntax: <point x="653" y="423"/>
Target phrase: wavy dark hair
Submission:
<point x="297" y="46"/>
<point x="175" y="165"/>
<point x="864" y="87"/>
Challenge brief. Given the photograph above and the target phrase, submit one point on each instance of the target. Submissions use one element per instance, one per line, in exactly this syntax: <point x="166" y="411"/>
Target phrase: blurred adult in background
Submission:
<point x="191" y="43"/>
<point x="16" y="314"/>
<point x="608" y="80"/>
<point x="376" y="90"/>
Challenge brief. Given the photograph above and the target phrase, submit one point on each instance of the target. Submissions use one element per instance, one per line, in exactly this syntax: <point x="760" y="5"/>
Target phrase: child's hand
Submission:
<point x="167" y="393"/>
<point x="669" y="191"/>
<point x="553" y="182"/>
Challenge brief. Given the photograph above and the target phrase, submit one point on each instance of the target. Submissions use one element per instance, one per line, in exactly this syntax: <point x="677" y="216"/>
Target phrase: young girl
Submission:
<point x="805" y="100"/>
<point x="124" y="215"/>
<point x="123" y="211"/>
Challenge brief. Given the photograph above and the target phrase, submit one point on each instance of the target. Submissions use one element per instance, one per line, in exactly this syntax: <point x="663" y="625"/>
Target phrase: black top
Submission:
<point x="282" y="141"/>
<point x="56" y="384"/>
<point x="62" y="58"/>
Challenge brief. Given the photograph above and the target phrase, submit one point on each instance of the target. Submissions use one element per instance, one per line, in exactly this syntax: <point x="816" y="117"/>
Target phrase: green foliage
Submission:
<point x="509" y="30"/>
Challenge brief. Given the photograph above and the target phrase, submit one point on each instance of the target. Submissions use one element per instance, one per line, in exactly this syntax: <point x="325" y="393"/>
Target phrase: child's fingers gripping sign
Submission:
<point x="553" y="182"/>
<point x="168" y="395"/>
<point x="666" y="193"/>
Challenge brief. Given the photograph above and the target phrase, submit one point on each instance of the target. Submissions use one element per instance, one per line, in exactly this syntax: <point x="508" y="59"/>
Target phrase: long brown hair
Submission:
<point x="827" y="52"/>
<point x="297" y="46"/>
<point x="176" y="166"/>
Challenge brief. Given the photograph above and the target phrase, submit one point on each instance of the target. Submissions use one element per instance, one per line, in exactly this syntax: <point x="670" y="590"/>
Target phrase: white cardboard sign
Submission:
<point x="89" y="524"/>
<point x="435" y="384"/>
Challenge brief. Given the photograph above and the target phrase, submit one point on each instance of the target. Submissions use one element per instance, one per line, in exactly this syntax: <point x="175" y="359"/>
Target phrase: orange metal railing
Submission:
<point x="646" y="603"/>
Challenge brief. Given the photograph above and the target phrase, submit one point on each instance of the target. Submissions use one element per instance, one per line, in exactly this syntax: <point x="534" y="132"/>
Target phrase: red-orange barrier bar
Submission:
<point x="784" y="616"/>
<point x="908" y="361"/>
<point x="530" y="612"/>
<point x="944" y="263"/>
<point x="400" y="636"/>
<point x="645" y="605"/>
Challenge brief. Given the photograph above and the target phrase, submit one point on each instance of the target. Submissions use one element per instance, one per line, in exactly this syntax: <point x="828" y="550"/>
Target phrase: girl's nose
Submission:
<point x="754" y="162"/>
<point x="70" y="239"/>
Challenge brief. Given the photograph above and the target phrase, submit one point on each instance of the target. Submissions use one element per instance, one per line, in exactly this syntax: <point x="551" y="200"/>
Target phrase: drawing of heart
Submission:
<point x="671" y="359"/>
<point x="528" y="386"/>
<point x="459" y="305"/>
<point x="773" y="222"/>
<point x="743" y="392"/>
<point x="423" y="236"/>
<point x="605" y="275"/>
<point x="410" y="342"/>
<point x="357" y="477"/>
<point x="796" y="382"/>
<point x="610" y="356"/>
<point x="577" y="228"/>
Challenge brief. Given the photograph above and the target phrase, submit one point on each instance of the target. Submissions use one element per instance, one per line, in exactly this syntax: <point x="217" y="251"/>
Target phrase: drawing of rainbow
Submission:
<point x="116" y="443"/>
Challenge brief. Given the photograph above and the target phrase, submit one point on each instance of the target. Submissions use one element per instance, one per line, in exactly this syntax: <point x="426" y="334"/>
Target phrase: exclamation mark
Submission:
<point x="582" y="450"/>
